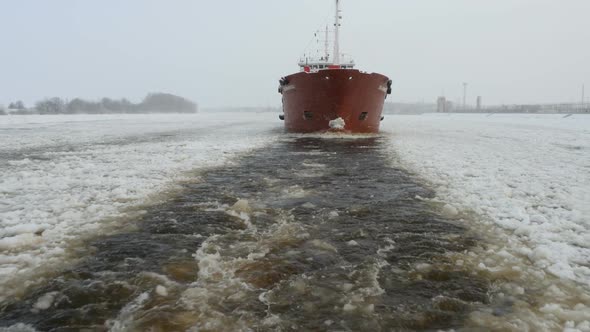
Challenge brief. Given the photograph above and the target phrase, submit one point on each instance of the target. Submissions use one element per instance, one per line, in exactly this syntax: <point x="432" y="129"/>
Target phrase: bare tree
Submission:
<point x="51" y="106"/>
<point x="164" y="102"/>
<point x="19" y="105"/>
<point x="154" y="102"/>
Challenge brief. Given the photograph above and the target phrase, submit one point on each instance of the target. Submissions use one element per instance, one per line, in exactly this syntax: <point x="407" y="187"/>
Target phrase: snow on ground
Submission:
<point x="62" y="178"/>
<point x="528" y="176"/>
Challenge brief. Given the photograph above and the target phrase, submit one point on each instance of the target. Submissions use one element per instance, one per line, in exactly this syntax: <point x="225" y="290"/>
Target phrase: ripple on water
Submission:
<point x="311" y="234"/>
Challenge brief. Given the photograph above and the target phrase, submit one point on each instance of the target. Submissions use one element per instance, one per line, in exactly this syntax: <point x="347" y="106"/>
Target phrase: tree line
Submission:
<point x="152" y="103"/>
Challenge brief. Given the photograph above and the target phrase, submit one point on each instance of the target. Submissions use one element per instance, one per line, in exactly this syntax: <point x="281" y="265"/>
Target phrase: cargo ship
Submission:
<point x="329" y="94"/>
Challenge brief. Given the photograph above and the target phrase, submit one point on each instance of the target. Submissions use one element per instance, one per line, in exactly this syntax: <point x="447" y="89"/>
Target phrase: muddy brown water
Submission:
<point x="311" y="233"/>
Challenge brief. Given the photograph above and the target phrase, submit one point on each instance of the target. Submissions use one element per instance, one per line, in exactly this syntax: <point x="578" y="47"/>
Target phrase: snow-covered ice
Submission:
<point x="64" y="178"/>
<point x="526" y="177"/>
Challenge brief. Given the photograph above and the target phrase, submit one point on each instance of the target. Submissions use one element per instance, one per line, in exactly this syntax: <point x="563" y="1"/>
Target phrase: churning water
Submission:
<point x="313" y="233"/>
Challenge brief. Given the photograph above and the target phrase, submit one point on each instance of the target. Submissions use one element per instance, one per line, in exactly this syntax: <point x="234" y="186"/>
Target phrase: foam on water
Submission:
<point x="20" y="327"/>
<point x="231" y="268"/>
<point x="227" y="278"/>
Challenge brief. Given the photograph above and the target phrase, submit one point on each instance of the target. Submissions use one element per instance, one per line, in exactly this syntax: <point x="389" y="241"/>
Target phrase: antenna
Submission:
<point x="337" y="35"/>
<point x="327" y="44"/>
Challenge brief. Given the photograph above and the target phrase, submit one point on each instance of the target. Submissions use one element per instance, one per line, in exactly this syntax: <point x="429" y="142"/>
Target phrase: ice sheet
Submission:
<point x="64" y="178"/>
<point x="525" y="176"/>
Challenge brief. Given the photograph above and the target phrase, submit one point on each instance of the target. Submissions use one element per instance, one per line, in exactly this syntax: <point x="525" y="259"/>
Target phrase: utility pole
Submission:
<point x="464" y="95"/>
<point x="583" y="96"/>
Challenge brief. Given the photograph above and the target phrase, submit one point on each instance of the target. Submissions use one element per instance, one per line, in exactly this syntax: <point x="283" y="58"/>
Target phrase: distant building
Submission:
<point x="441" y="105"/>
<point x="449" y="106"/>
<point x="478" y="103"/>
<point x="408" y="108"/>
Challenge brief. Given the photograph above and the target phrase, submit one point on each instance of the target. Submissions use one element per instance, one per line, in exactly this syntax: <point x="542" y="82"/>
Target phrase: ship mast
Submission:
<point x="337" y="35"/>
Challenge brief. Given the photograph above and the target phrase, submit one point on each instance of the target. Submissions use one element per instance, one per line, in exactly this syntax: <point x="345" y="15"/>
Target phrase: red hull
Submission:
<point x="312" y="100"/>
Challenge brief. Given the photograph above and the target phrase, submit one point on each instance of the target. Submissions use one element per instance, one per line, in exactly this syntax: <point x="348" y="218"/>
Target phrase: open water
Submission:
<point x="312" y="233"/>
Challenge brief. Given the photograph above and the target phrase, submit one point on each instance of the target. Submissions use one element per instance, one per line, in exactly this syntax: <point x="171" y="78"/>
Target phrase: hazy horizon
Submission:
<point x="230" y="55"/>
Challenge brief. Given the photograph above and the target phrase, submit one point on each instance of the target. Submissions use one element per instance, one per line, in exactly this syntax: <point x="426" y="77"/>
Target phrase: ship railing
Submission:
<point x="308" y="61"/>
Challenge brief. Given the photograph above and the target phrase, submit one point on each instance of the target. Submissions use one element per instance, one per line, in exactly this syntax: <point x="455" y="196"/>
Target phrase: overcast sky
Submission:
<point x="231" y="53"/>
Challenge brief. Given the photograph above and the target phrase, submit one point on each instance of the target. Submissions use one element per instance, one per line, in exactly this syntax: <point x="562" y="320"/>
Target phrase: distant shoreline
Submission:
<point x="157" y="102"/>
<point x="276" y="111"/>
<point x="18" y="113"/>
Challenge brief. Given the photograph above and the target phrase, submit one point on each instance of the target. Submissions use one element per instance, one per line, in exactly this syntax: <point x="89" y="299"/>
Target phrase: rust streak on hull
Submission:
<point x="312" y="100"/>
